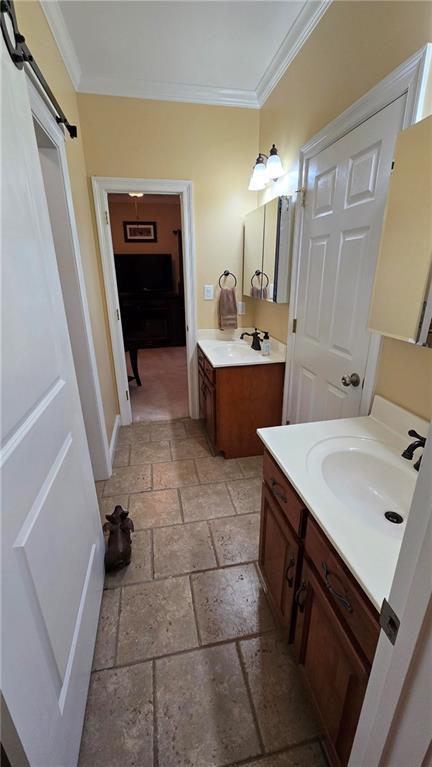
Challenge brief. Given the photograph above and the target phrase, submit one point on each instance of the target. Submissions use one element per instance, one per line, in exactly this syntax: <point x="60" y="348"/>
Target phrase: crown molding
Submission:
<point x="303" y="26"/>
<point x="197" y="94"/>
<point x="58" y="27"/>
<point x="305" y="23"/>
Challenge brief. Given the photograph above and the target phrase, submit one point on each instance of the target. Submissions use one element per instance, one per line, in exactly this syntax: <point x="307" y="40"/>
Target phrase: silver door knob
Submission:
<point x="351" y="380"/>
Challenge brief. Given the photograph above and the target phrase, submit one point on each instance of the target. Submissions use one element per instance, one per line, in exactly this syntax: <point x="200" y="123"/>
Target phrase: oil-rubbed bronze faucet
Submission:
<point x="408" y="453"/>
<point x="256" y="339"/>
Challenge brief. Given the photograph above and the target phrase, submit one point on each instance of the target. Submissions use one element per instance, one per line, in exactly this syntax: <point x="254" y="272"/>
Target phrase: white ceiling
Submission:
<point x="230" y="53"/>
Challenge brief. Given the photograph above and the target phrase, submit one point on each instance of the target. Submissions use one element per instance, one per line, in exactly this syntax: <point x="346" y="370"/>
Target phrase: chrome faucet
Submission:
<point x="256" y="340"/>
<point x="408" y="453"/>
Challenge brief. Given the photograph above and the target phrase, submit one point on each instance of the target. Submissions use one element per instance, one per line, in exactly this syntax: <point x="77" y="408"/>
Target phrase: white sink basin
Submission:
<point x="234" y="351"/>
<point x="365" y="476"/>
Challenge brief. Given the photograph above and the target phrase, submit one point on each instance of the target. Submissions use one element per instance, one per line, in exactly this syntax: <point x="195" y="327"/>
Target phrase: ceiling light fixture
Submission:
<point x="136" y="194"/>
<point x="266" y="168"/>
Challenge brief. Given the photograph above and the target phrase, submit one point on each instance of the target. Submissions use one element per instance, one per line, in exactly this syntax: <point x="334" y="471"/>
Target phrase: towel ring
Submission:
<point x="258" y="273"/>
<point x="227" y="273"/>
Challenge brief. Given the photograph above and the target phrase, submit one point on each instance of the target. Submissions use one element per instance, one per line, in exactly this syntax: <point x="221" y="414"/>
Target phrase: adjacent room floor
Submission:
<point x="189" y="668"/>
<point x="164" y="391"/>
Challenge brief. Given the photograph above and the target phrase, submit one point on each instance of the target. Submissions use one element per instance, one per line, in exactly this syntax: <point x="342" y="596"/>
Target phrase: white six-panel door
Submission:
<point x="52" y="544"/>
<point x="345" y="199"/>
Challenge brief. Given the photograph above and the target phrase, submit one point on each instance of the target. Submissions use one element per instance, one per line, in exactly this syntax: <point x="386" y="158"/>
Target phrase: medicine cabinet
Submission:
<point x="268" y="234"/>
<point x="401" y="305"/>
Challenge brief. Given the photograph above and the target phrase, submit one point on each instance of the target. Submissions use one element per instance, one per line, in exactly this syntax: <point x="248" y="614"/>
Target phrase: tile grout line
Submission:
<point x="175" y="653"/>
<point x="231" y="498"/>
<point x="171" y="576"/>
<point x="195" y="612"/>
<point x="181" y="508"/>
<point x="117" y="630"/>
<point x="155" y="718"/>
<point x="213" y="544"/>
<point x="261" y="758"/>
<point x="249" y="696"/>
<point x="235" y="515"/>
<point x="152" y="555"/>
<point x="200" y="483"/>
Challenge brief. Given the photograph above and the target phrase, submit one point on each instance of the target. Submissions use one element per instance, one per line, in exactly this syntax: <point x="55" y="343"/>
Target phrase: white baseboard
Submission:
<point x="114" y="436"/>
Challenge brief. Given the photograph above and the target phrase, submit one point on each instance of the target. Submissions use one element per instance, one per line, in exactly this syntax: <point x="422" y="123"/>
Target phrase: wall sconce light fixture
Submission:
<point x="266" y="168"/>
<point x="136" y="194"/>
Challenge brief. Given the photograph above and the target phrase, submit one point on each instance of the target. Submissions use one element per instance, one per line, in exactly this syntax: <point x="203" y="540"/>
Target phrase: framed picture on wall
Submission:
<point x="140" y="231"/>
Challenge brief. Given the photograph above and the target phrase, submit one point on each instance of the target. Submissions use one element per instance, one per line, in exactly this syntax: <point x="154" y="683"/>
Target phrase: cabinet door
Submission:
<point x="336" y="676"/>
<point x="278" y="557"/>
<point x="210" y="411"/>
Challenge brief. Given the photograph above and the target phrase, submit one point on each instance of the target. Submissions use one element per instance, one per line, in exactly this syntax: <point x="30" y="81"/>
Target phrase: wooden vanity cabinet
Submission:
<point x="336" y="675"/>
<point x="236" y="401"/>
<point x="331" y="622"/>
<point x="207" y="398"/>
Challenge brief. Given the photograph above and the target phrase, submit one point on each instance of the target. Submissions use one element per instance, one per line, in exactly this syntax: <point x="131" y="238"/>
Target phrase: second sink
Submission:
<point x="365" y="476"/>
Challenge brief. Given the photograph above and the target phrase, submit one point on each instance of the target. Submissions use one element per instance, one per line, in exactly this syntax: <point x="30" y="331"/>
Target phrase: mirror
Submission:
<point x="267" y="251"/>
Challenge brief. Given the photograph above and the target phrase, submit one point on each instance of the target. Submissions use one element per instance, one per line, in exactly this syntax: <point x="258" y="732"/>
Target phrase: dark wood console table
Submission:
<point x="151" y="319"/>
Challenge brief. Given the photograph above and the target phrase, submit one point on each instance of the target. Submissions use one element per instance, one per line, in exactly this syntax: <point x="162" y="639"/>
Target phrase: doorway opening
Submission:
<point x="146" y="233"/>
<point x="103" y="189"/>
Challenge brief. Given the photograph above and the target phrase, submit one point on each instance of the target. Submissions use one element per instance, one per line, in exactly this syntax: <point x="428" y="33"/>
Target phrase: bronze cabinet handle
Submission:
<point x="278" y="493"/>
<point x="290" y="578"/>
<point x="340" y="597"/>
<point x="301" y="605"/>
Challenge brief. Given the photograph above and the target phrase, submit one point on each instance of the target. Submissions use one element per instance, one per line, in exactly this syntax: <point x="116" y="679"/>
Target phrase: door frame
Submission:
<point x="409" y="78"/>
<point x="102" y="186"/>
<point x="90" y="391"/>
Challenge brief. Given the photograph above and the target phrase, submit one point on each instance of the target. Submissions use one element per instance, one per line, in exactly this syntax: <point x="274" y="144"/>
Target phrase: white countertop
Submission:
<point x="368" y="546"/>
<point x="226" y="349"/>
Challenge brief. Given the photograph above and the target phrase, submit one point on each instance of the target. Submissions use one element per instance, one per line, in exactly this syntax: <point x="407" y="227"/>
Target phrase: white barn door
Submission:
<point x="345" y="198"/>
<point x="52" y="544"/>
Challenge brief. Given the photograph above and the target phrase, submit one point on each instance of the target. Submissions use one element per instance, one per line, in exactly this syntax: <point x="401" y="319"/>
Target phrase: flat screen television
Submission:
<point x="138" y="272"/>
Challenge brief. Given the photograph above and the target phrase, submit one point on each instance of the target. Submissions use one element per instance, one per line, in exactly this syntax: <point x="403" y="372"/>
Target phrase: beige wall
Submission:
<point x="355" y="45"/>
<point x="212" y="146"/>
<point x="405" y="376"/>
<point x="167" y="217"/>
<point x="33" y="25"/>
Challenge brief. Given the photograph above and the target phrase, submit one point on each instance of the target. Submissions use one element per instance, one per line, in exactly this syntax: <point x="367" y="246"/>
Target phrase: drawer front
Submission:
<point x="288" y="500"/>
<point x="346" y="595"/>
<point x="209" y="370"/>
<point x="201" y="358"/>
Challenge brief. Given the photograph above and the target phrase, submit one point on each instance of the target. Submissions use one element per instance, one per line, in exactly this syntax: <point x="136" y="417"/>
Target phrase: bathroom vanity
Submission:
<point x="240" y="391"/>
<point x="328" y="554"/>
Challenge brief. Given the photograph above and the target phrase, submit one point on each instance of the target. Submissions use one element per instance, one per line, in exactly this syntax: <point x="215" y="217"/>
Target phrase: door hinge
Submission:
<point x="118" y="314"/>
<point x="127" y="394"/>
<point x="303" y="197"/>
<point x="106" y="217"/>
<point x="294" y="327"/>
<point x="389" y="621"/>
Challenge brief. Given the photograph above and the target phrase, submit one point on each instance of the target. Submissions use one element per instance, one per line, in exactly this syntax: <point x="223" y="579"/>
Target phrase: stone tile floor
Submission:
<point x="189" y="668"/>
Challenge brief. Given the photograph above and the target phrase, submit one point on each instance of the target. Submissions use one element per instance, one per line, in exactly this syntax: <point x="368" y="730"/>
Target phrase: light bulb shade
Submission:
<point x="274" y="168"/>
<point x="259" y="177"/>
